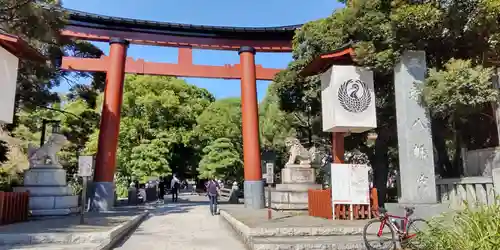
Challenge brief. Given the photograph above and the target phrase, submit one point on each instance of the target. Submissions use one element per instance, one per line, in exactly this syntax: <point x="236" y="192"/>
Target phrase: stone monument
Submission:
<point x="416" y="158"/>
<point x="297" y="178"/>
<point x="45" y="181"/>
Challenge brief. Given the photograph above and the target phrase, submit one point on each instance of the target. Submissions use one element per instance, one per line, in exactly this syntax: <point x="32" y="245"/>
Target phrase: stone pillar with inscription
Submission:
<point x="416" y="159"/>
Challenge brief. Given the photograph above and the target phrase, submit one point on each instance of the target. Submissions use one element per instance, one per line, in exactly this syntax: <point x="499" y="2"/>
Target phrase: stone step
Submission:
<point x="298" y="187"/>
<point x="53" y="202"/>
<point x="53" y="246"/>
<point x="46" y="190"/>
<point x="60" y="238"/>
<point x="288" y="206"/>
<point x="54" y="212"/>
<point x="354" y="242"/>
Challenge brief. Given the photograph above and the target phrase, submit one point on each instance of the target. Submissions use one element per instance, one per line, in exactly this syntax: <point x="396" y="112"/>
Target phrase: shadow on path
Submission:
<point x="183" y="206"/>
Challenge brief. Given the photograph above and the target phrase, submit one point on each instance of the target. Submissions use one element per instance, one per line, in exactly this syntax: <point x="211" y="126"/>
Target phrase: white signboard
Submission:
<point x="8" y="80"/>
<point x="350" y="184"/>
<point x="269" y="173"/>
<point x="348" y="99"/>
<point x="340" y="183"/>
<point x="85" y="165"/>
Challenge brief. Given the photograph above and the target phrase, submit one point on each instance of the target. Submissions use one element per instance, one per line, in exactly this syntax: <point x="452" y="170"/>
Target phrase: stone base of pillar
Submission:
<point x="103" y="198"/>
<point x="49" y="192"/>
<point x="254" y="194"/>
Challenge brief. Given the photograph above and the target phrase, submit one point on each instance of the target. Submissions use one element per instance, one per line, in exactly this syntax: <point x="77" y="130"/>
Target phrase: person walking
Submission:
<point x="193" y="191"/>
<point x="174" y="185"/>
<point x="213" y="193"/>
<point x="161" y="189"/>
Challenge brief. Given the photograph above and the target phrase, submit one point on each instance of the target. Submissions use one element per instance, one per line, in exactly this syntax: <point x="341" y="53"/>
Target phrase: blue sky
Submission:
<point x="214" y="12"/>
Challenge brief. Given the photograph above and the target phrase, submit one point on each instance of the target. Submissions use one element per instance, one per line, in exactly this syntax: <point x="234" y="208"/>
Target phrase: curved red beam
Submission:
<point x="102" y="35"/>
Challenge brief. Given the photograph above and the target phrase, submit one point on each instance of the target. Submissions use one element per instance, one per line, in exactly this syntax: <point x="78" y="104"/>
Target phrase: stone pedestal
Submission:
<point x="48" y="191"/>
<point x="291" y="194"/>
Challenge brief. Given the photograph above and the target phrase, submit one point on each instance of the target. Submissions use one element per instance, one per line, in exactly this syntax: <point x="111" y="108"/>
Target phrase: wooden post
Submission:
<point x="110" y="127"/>
<point x="338" y="147"/>
<point x="254" y="185"/>
<point x="269" y="209"/>
<point x="338" y="157"/>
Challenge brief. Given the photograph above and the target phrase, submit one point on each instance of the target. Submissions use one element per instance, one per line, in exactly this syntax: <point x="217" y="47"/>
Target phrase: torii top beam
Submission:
<point x="93" y="27"/>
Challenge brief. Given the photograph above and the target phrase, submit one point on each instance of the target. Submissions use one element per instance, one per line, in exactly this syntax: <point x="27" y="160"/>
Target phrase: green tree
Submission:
<point x="219" y="133"/>
<point x="379" y="31"/>
<point x="39" y="23"/>
<point x="275" y="126"/>
<point x="221" y="160"/>
<point x="157" y="127"/>
<point x="77" y="121"/>
<point x="222" y="119"/>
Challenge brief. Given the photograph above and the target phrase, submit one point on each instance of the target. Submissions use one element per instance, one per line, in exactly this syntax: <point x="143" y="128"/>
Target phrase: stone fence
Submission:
<point x="481" y="162"/>
<point x="470" y="190"/>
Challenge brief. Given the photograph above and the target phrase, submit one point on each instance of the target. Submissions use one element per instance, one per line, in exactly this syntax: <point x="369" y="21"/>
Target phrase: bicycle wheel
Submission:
<point x="386" y="241"/>
<point x="413" y="234"/>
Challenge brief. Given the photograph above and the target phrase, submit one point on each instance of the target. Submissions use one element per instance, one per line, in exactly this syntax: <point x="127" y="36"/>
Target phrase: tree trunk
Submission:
<point x="380" y="165"/>
<point x="457" y="158"/>
<point x="445" y="167"/>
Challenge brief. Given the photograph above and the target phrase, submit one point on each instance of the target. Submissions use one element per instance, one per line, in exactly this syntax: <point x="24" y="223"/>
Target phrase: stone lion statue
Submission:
<point x="39" y="156"/>
<point x="299" y="153"/>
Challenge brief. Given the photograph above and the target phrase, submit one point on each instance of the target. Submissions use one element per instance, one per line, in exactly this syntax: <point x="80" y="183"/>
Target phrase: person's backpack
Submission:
<point x="212" y="188"/>
<point x="177" y="185"/>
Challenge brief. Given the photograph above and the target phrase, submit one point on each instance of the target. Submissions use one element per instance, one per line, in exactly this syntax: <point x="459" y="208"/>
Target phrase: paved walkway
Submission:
<point x="187" y="225"/>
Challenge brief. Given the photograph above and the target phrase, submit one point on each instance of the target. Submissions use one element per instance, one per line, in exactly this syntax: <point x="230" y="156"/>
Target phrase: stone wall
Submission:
<point x="481" y="162"/>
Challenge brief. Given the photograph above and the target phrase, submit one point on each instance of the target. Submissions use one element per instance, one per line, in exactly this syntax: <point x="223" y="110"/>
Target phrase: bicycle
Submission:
<point x="398" y="232"/>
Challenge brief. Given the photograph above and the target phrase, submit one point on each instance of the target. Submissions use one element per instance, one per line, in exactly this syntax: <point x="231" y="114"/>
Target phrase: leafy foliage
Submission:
<point x="459" y="89"/>
<point x="380" y="31"/>
<point x="157" y="127"/>
<point x="77" y="121"/>
<point x="469" y="229"/>
<point x="39" y="23"/>
<point x="221" y="160"/>
<point x="222" y="119"/>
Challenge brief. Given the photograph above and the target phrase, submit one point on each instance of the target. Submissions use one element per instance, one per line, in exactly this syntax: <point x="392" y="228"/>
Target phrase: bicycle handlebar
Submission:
<point x="382" y="212"/>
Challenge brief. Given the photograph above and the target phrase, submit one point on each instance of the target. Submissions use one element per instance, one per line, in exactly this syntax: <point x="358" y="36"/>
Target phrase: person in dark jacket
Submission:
<point x="213" y="193"/>
<point x="175" y="184"/>
<point x="161" y="187"/>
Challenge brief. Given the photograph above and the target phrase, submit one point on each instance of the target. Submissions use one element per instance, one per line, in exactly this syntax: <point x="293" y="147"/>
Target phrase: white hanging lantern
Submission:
<point x="8" y="79"/>
<point x="348" y="99"/>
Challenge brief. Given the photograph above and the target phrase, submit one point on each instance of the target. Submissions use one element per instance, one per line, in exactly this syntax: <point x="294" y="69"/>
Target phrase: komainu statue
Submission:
<point x="299" y="153"/>
<point x="48" y="151"/>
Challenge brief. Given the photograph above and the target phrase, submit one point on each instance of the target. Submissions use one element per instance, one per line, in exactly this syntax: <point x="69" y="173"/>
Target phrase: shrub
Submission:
<point x="471" y="229"/>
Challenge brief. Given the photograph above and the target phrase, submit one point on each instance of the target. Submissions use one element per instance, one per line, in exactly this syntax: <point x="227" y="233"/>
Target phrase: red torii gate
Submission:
<point x="119" y="32"/>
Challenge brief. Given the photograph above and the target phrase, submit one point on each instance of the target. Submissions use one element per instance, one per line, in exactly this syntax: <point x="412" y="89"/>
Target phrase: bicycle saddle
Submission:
<point x="409" y="210"/>
<point x="382" y="210"/>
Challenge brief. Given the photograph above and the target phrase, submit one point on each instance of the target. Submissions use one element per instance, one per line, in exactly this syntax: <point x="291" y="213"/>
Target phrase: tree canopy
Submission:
<point x="157" y="126"/>
<point x="221" y="160"/>
<point x="460" y="39"/>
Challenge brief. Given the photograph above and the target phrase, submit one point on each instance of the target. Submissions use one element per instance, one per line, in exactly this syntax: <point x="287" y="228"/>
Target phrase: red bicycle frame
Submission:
<point x="402" y="229"/>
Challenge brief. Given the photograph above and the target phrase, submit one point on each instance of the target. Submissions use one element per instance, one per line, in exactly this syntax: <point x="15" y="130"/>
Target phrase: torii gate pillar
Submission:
<point x="104" y="195"/>
<point x="254" y="185"/>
